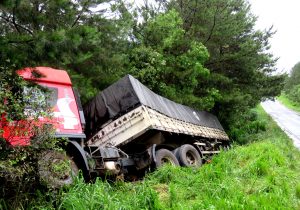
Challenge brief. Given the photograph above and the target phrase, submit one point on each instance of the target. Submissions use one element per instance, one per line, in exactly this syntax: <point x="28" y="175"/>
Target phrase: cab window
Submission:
<point x="38" y="99"/>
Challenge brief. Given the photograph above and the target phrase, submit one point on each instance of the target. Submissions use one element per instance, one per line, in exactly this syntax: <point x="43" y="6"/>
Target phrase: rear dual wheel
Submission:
<point x="188" y="156"/>
<point x="164" y="156"/>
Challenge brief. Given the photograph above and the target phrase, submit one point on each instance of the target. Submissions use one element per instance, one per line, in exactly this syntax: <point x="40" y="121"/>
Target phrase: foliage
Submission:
<point x="23" y="103"/>
<point x="241" y="132"/>
<point x="241" y="68"/>
<point x="11" y="88"/>
<point x="64" y="34"/>
<point x="294" y="93"/>
<point x="19" y="175"/>
<point x="288" y="103"/>
<point x="170" y="64"/>
<point x="292" y="85"/>
<point x="264" y="174"/>
<point x="19" y="172"/>
<point x="294" y="78"/>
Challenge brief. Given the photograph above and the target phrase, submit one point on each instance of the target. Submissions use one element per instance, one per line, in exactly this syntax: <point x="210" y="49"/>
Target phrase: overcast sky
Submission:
<point x="284" y="15"/>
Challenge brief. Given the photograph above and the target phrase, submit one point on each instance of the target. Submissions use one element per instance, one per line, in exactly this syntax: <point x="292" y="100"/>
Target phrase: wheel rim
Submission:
<point x="166" y="160"/>
<point x="190" y="158"/>
<point x="65" y="172"/>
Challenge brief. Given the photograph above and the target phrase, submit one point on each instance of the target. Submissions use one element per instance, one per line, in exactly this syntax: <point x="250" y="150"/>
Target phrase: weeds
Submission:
<point x="283" y="98"/>
<point x="261" y="175"/>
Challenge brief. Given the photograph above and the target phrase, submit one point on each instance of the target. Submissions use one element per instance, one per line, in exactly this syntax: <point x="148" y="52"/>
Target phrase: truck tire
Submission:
<point x="226" y="147"/>
<point x="56" y="169"/>
<point x="187" y="155"/>
<point x="164" y="156"/>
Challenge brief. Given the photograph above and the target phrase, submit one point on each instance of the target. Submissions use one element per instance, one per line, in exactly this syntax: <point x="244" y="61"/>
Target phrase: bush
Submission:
<point x="19" y="169"/>
<point x="19" y="176"/>
<point x="247" y="125"/>
<point x="294" y="94"/>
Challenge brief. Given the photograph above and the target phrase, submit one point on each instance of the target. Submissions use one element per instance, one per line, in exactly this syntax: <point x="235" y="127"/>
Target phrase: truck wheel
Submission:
<point x="56" y="169"/>
<point x="164" y="156"/>
<point x="225" y="147"/>
<point x="187" y="155"/>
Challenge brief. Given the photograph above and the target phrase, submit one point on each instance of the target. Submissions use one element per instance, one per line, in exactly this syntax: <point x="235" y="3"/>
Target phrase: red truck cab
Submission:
<point x="67" y="118"/>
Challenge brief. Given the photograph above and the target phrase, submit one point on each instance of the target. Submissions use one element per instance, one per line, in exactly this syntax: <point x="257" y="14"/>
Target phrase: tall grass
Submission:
<point x="289" y="103"/>
<point x="262" y="175"/>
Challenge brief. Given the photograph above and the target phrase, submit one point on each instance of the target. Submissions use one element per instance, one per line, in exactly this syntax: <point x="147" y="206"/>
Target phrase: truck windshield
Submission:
<point x="39" y="99"/>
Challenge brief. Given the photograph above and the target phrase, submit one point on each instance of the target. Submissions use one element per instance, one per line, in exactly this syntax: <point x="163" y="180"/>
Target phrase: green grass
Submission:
<point x="288" y="103"/>
<point x="262" y="175"/>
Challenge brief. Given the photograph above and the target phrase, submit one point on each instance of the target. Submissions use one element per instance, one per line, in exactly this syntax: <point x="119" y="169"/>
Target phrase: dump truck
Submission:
<point x="125" y="130"/>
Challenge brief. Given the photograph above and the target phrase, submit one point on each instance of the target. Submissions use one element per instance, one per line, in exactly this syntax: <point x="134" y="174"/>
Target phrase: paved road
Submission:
<point x="288" y="120"/>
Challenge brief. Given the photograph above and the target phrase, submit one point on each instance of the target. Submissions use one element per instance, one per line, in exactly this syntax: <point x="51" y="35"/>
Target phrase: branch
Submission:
<point x="77" y="19"/>
<point x="230" y="58"/>
<point x="19" y="41"/>
<point x="193" y="18"/>
<point x="212" y="28"/>
<point x="16" y="25"/>
<point x="80" y="14"/>
<point x="14" y="21"/>
<point x="215" y="17"/>
<point x="181" y="5"/>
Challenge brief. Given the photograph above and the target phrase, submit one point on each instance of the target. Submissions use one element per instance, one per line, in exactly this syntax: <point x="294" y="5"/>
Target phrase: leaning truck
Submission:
<point x="124" y="130"/>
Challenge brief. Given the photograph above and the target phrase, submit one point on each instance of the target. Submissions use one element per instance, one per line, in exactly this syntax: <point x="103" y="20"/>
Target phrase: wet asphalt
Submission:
<point x="288" y="120"/>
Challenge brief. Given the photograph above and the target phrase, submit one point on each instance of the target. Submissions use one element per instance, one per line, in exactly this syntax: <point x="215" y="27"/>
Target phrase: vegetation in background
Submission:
<point x="264" y="174"/>
<point x="289" y="103"/>
<point x="64" y="34"/>
<point x="203" y="54"/>
<point x="291" y="93"/>
<point x="169" y="63"/>
<point x="240" y="64"/>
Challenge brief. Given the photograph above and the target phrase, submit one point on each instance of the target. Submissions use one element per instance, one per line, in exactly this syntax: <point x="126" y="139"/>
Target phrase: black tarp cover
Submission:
<point x="129" y="93"/>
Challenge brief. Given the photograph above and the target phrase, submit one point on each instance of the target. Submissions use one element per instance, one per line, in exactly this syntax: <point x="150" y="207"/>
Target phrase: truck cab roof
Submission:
<point x="45" y="74"/>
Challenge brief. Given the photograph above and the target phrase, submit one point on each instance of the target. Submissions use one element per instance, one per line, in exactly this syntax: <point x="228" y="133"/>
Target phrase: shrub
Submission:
<point x="19" y="175"/>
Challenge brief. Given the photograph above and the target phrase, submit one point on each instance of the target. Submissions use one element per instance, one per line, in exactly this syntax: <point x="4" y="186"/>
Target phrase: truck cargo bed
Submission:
<point x="138" y="121"/>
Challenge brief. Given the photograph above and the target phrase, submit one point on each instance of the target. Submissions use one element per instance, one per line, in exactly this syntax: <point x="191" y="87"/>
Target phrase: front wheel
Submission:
<point x="56" y="169"/>
<point x="164" y="156"/>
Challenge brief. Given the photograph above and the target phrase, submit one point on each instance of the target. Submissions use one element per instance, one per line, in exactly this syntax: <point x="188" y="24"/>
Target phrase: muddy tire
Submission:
<point x="164" y="156"/>
<point x="187" y="155"/>
<point x="56" y="169"/>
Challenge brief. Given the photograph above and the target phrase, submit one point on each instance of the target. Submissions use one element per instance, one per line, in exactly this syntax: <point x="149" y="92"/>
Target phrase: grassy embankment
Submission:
<point x="288" y="103"/>
<point x="261" y="175"/>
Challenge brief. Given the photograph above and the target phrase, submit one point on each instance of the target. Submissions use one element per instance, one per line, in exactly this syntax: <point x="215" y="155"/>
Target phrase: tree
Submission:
<point x="292" y="84"/>
<point x="241" y="68"/>
<point x="65" y="34"/>
<point x="168" y="62"/>
<point x="294" y="78"/>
